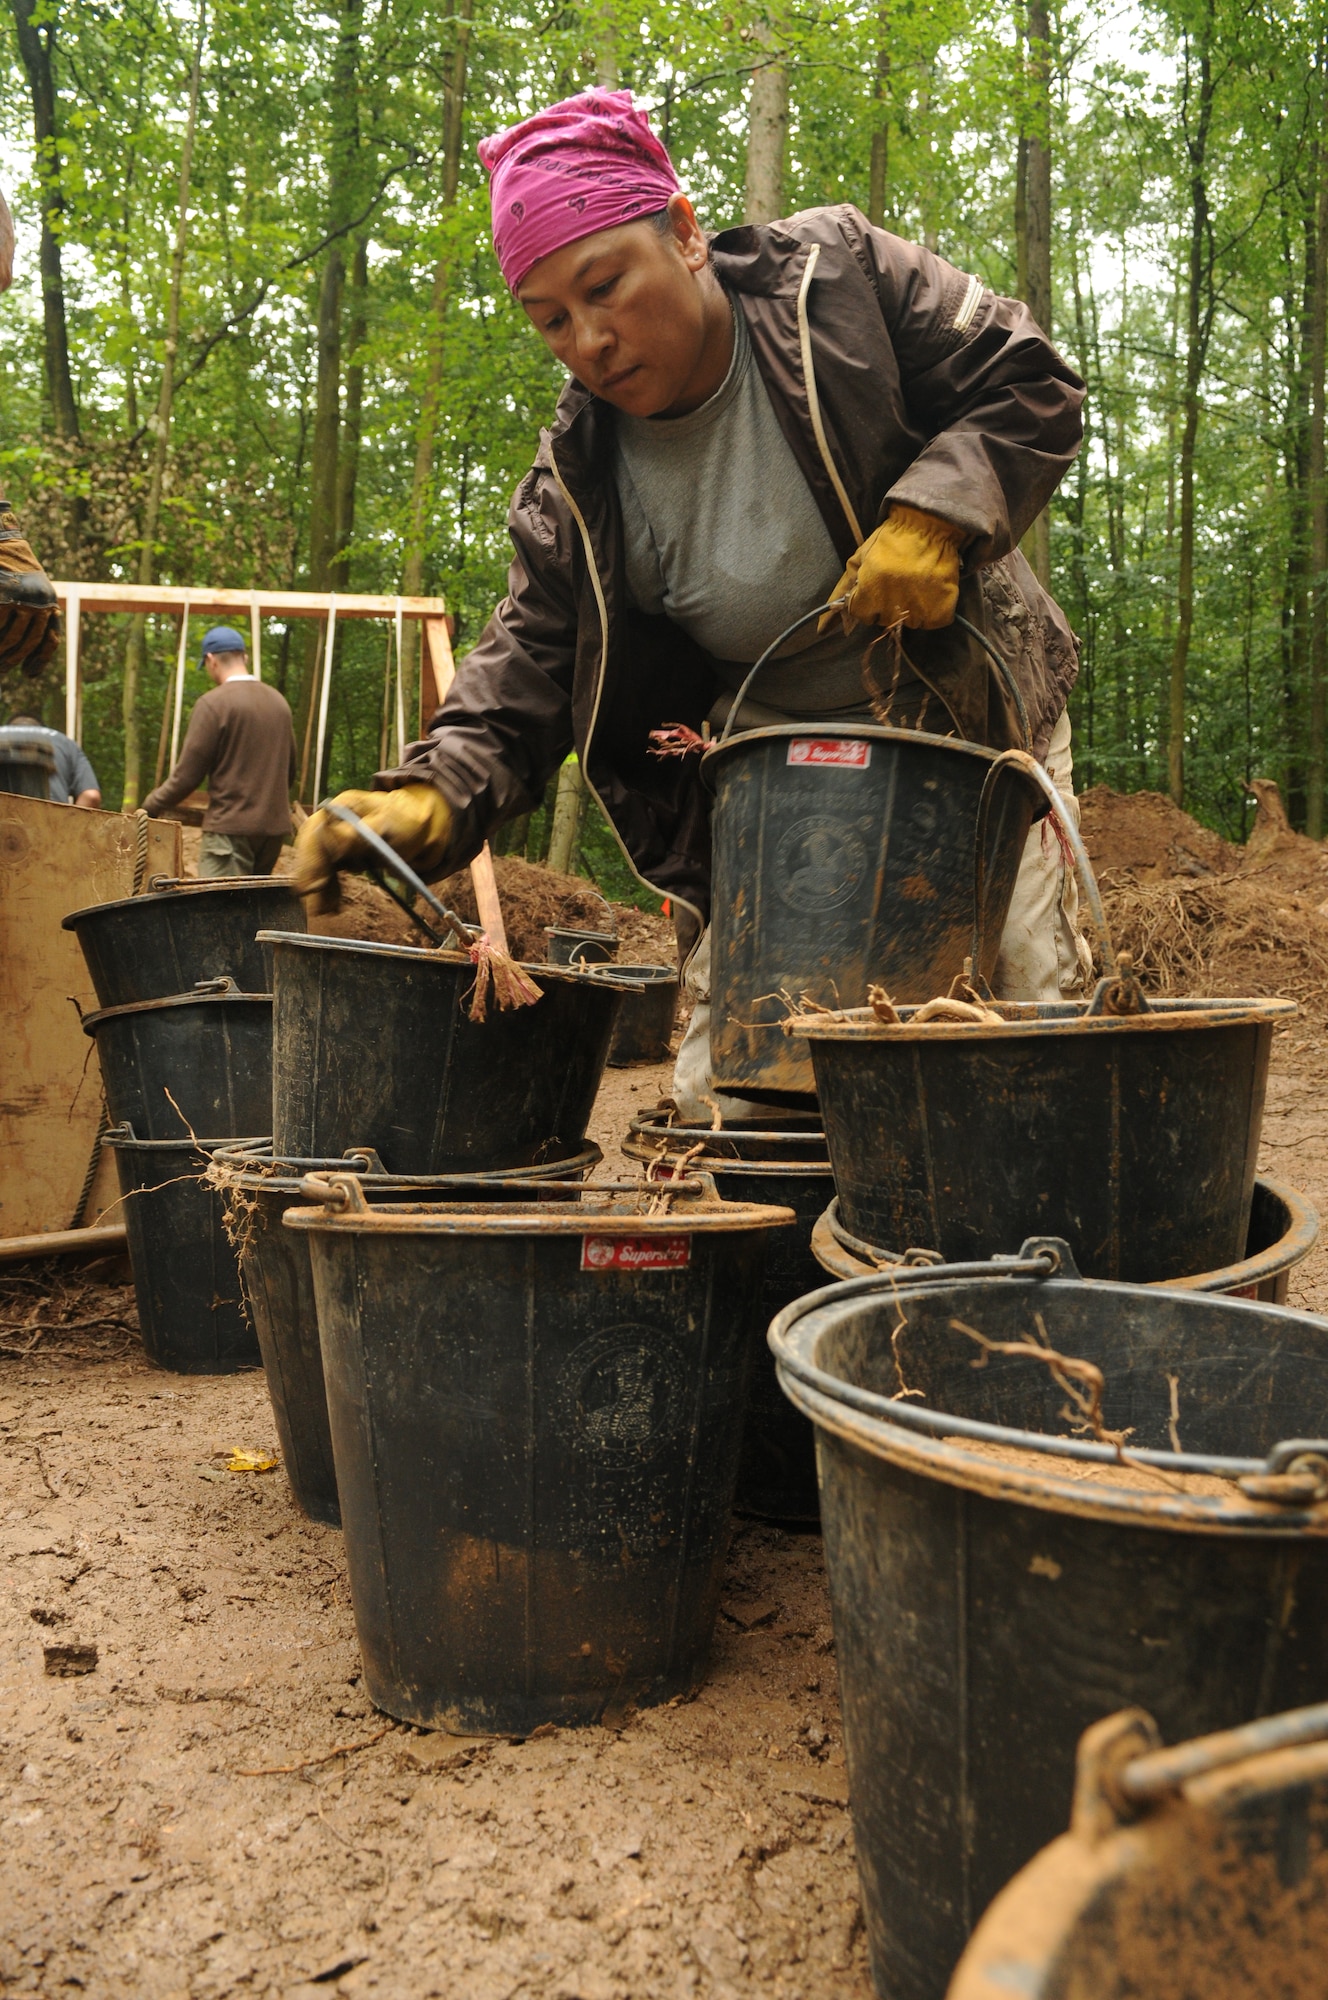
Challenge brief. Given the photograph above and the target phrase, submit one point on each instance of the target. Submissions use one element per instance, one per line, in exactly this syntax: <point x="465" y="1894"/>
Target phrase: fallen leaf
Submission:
<point x="250" y="1461"/>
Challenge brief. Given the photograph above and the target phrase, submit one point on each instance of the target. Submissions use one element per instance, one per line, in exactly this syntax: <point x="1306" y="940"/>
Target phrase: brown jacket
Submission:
<point x="241" y="740"/>
<point x="895" y="377"/>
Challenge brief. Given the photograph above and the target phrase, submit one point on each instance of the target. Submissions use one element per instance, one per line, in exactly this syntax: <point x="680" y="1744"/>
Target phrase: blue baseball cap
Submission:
<point x="221" y="639"/>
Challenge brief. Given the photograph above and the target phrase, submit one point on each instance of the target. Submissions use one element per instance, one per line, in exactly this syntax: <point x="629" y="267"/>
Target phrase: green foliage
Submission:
<point x="940" y="87"/>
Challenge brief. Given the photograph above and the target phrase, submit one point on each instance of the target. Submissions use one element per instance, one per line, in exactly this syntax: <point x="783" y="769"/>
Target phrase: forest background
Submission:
<point x="258" y="337"/>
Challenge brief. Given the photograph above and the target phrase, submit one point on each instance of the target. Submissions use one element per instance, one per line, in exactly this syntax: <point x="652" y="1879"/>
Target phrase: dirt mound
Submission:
<point x="1146" y="833"/>
<point x="1204" y="917"/>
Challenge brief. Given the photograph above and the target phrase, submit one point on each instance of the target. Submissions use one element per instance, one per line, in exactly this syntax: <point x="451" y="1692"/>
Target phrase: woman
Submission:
<point x="754" y="423"/>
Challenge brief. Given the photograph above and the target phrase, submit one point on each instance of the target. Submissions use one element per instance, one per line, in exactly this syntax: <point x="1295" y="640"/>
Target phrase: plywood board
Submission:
<point x="55" y="859"/>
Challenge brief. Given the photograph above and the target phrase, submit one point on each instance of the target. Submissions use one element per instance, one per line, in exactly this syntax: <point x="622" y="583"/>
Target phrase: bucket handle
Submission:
<point x="837" y="604"/>
<point x="389" y="858"/>
<point x="1119" y="992"/>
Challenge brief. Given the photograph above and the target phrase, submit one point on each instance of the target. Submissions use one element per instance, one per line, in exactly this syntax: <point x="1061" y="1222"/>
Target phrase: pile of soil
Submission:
<point x="1148" y="835"/>
<point x="532" y="898"/>
<point x="1203" y="917"/>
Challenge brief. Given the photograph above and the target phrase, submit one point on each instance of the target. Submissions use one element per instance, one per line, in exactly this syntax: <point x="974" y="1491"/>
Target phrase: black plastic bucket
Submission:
<point x="152" y="946"/>
<point x="1284" y="1228"/>
<point x="190" y="1309"/>
<point x="1191" y="1871"/>
<point x="1132" y="1136"/>
<point x="279" y="1288"/>
<point x="777" y="1470"/>
<point x="644" y="1027"/>
<point x="997" y="1584"/>
<point x="536" y="1412"/>
<point x="212" y="1050"/>
<point x="843" y="855"/>
<point x="573" y="947"/>
<point x="374" y="1046"/>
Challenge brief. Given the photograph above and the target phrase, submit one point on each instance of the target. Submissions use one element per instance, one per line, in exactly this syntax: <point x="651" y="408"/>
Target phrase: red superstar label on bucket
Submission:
<point x="848" y="752"/>
<point x="635" y="1253"/>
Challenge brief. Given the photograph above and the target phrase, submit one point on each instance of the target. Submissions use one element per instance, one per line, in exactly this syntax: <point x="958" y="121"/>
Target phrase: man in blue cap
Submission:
<point x="240" y="739"/>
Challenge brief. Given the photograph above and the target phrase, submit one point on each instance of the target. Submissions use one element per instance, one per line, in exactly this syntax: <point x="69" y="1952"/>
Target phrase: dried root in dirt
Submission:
<point x="1231" y="936"/>
<point x="46" y="1305"/>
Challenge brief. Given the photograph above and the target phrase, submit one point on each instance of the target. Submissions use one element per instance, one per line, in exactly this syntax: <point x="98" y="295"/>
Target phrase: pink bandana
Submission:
<point x="589" y="163"/>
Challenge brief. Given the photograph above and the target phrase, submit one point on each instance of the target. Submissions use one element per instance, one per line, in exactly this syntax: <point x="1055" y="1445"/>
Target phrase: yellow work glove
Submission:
<point x="29" y="621"/>
<point x="415" y="820"/>
<point x="906" y="573"/>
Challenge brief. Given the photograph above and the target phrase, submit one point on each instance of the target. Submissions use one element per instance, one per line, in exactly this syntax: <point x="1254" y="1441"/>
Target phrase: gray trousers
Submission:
<point x="222" y="854"/>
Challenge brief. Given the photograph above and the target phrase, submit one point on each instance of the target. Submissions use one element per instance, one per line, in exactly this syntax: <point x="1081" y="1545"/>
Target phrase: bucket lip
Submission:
<point x="1039" y="1019"/>
<point x="94" y="1020"/>
<point x="426" y="954"/>
<point x="249" y="1159"/>
<point x="930" y="1442"/>
<point x="579" y="931"/>
<point x="182" y="887"/>
<point x="799" y="1126"/>
<point x="1296" y="1241"/>
<point x="549" y="1218"/>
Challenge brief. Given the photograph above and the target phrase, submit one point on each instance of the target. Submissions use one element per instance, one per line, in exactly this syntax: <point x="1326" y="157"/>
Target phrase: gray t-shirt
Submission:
<point x="723" y="535"/>
<point x="73" y="774"/>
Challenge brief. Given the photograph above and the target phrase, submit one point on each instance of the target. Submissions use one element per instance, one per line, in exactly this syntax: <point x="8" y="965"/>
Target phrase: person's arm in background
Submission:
<point x="85" y="791"/>
<point x="196" y="760"/>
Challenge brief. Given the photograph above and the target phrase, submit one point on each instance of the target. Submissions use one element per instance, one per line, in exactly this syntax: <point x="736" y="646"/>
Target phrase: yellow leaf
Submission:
<point x="250" y="1461"/>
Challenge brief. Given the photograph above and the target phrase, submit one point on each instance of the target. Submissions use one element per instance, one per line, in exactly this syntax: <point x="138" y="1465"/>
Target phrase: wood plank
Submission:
<point x="110" y="597"/>
<point x="437" y="668"/>
<point x="54" y="859"/>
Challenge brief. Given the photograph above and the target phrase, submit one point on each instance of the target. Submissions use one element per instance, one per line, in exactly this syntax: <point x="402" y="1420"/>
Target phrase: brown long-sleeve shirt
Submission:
<point x="240" y="738"/>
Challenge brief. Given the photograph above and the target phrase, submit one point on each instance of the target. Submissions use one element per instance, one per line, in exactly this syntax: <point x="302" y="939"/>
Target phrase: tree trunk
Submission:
<point x="605" y="29"/>
<point x="37" y="47"/>
<point x="161" y="438"/>
<point x="880" y="145"/>
<point x="1318" y="492"/>
<point x="426" y="435"/>
<point x="1033" y="222"/>
<point x="767" y="133"/>
<point x="569" y="809"/>
<point x="1197" y="325"/>
<point x="325" y="451"/>
<point x="348" y="460"/>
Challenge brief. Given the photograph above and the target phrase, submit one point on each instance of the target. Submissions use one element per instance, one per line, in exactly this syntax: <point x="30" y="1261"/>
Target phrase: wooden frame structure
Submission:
<point x="436" y="666"/>
<point x="436" y="663"/>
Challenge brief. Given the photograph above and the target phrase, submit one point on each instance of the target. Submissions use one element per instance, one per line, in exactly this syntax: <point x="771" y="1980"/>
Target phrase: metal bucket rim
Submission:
<point x="1295" y="1243"/>
<point x="568" y="1219"/>
<point x="91" y="1022"/>
<point x="182" y="888"/>
<point x="577" y="931"/>
<point x="645" y="975"/>
<point x="248" y="1165"/>
<point x="812" y="1128"/>
<point x="123" y="1145"/>
<point x="1065" y="1017"/>
<point x="454" y="961"/>
<point x="929" y="1442"/>
<point x="725" y="1163"/>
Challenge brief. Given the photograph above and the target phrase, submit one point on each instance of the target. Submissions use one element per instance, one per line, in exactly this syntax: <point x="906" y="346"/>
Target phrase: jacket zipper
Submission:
<point x="603" y="608"/>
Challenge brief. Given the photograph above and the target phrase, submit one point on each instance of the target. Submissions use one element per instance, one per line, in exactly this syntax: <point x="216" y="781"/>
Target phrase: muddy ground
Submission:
<point x="215" y="1809"/>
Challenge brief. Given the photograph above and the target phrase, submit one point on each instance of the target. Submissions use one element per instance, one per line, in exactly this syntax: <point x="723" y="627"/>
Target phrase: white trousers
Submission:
<point x="1042" y="954"/>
